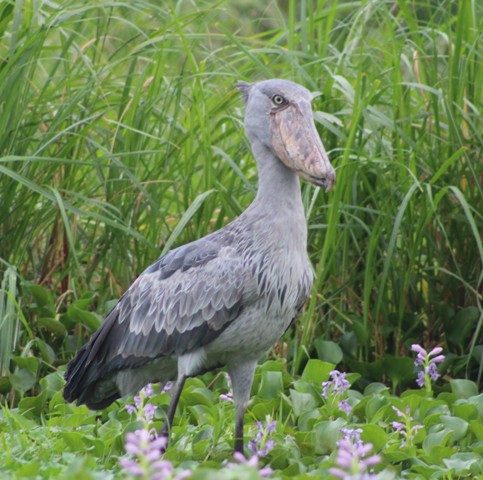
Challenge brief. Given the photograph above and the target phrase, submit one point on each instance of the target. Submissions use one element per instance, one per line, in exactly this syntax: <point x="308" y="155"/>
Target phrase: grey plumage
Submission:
<point x="225" y="299"/>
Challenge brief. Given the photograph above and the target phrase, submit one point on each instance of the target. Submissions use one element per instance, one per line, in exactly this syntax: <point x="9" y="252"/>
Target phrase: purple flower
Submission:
<point x="406" y="427"/>
<point x="419" y="349"/>
<point x="398" y="412"/>
<point x="398" y="426"/>
<point x="435" y="351"/>
<point x="432" y="371"/>
<point x="262" y="444"/>
<point x="337" y="385"/>
<point x="149" y="411"/>
<point x="167" y="387"/>
<point x="352" y="434"/>
<point x="353" y="460"/>
<point x="271" y="426"/>
<point x="144" y="411"/>
<point x="420" y="378"/>
<point x="147" y="391"/>
<point x="250" y="462"/>
<point x="345" y="407"/>
<point x="145" y="460"/>
<point x="426" y="365"/>
<point x="226" y="397"/>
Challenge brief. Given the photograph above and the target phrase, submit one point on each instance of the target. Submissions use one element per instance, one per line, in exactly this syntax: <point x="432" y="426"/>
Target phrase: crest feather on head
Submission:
<point x="244" y="88"/>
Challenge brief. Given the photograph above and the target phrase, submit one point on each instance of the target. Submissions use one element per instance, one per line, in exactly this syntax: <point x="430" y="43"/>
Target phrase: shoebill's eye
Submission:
<point x="278" y="100"/>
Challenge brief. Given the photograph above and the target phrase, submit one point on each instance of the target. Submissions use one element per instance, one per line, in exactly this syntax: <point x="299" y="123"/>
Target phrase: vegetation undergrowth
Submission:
<point x="292" y="426"/>
<point x="121" y="136"/>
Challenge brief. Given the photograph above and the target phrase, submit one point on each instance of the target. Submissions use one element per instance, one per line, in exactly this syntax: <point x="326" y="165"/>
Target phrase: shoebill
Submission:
<point x="223" y="300"/>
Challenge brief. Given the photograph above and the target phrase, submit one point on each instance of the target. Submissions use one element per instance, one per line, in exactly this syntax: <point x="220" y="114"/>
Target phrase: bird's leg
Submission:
<point x="241" y="375"/>
<point x="176" y="393"/>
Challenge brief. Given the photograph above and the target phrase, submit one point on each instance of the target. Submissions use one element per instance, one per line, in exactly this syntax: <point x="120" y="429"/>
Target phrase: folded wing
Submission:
<point x="181" y="302"/>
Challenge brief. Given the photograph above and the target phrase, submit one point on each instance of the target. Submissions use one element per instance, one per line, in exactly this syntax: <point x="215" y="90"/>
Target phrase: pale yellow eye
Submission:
<point x="278" y="100"/>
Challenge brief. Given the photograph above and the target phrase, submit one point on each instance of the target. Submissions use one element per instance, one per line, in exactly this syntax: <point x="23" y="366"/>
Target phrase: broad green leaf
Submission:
<point x="84" y="317"/>
<point x="301" y="402"/>
<point x="42" y="296"/>
<point x="456" y="425"/>
<point x="461" y="463"/>
<point x="52" y="325"/>
<point x="326" y="434"/>
<point x="374" y="388"/>
<point x="436" y="440"/>
<point x="317" y="371"/>
<point x="271" y="385"/>
<point x="372" y="433"/>
<point x="463" y="388"/>
<point x="22" y="380"/>
<point x="328" y="351"/>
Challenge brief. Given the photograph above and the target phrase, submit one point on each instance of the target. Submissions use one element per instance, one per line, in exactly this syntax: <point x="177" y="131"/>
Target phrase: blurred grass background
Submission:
<point x="121" y="136"/>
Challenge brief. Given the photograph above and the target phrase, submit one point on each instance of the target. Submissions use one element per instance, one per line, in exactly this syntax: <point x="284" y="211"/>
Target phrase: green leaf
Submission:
<point x="461" y="325"/>
<point x="32" y="406"/>
<point x="52" y="325"/>
<point x="328" y="351"/>
<point x="374" y="405"/>
<point x="46" y="351"/>
<point x="436" y="440"/>
<point x="317" y="371"/>
<point x="398" y="369"/>
<point x="197" y="395"/>
<point x="477" y="400"/>
<point x="53" y="382"/>
<point x="301" y="402"/>
<point x="271" y="385"/>
<point x="374" y="434"/>
<point x="74" y="440"/>
<point x="466" y="411"/>
<point x="42" y="296"/>
<point x="463" y="388"/>
<point x="28" y="363"/>
<point x="326" y="434"/>
<point x="477" y="429"/>
<point x="457" y="426"/>
<point x="84" y="317"/>
<point x="375" y="387"/>
<point x="461" y="463"/>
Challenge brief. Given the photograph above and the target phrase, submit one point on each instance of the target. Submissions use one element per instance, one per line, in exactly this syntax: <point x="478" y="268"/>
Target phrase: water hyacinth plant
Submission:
<point x="145" y="457"/>
<point x="259" y="446"/>
<point x="144" y="447"/>
<point x="262" y="444"/>
<point x="406" y="427"/>
<point x="353" y="461"/>
<point x="426" y="364"/>
<point x="333" y="391"/>
<point x="143" y="410"/>
<point x="241" y="462"/>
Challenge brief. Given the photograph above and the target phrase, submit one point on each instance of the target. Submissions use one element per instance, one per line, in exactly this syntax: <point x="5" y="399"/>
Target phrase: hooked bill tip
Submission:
<point x="327" y="182"/>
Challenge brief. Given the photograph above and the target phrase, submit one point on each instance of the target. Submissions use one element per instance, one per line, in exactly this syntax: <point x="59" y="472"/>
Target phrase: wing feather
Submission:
<point x="163" y="314"/>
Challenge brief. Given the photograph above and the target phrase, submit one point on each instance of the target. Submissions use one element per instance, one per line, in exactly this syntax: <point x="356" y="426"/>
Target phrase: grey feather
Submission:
<point x="225" y="299"/>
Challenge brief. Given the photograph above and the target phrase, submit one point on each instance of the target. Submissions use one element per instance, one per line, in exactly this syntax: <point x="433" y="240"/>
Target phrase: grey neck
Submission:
<point x="278" y="186"/>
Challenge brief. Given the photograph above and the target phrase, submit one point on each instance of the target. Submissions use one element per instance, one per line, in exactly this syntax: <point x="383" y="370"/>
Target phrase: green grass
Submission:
<point x="121" y="136"/>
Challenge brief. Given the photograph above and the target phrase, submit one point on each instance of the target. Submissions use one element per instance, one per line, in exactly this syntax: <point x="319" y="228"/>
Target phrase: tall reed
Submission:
<point x="121" y="136"/>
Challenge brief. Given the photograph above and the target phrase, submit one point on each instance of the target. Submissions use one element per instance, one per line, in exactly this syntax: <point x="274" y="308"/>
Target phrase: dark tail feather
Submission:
<point x="85" y="382"/>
